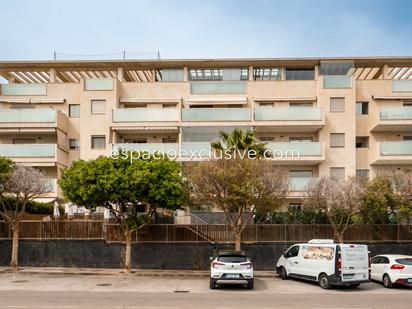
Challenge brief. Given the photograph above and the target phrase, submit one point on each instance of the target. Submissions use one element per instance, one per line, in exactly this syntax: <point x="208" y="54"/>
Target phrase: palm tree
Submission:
<point x="240" y="140"/>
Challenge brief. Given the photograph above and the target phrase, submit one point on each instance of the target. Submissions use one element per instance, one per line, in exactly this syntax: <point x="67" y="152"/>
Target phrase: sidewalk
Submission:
<point x="118" y="271"/>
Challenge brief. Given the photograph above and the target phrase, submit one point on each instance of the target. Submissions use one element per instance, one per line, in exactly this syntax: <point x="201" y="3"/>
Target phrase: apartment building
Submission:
<point x="345" y="116"/>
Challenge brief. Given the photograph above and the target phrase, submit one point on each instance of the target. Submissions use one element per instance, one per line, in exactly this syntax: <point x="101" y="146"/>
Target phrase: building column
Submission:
<point x="52" y="75"/>
<point x="250" y="73"/>
<point x="185" y="74"/>
<point x="385" y="71"/>
<point x="120" y="74"/>
<point x="316" y="72"/>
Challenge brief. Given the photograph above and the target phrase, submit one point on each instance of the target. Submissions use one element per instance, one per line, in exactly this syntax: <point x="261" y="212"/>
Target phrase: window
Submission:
<point x="384" y="260"/>
<point x="337" y="140"/>
<point x="24" y="141"/>
<point x="266" y="139"/>
<point x="74" y="110"/>
<point x="376" y="260"/>
<point x="407" y="103"/>
<point x="98" y="106"/>
<point x="292" y="252"/>
<point x="24" y="106"/>
<point x="295" y="206"/>
<point x="407" y="138"/>
<point x="138" y="140"/>
<point x="300" y="104"/>
<point x="218" y="74"/>
<point x="201" y="106"/>
<point x="98" y="142"/>
<point x="232" y="258"/>
<point x="336" y="67"/>
<point x="74" y="143"/>
<point x="337" y="173"/>
<point x="362" y="108"/>
<point x="169" y="75"/>
<point x="300" y="74"/>
<point x="169" y="105"/>
<point x="169" y="139"/>
<point x="267" y="73"/>
<point x="363" y="173"/>
<point x="337" y="105"/>
<point x="362" y="142"/>
<point x="266" y="104"/>
<point x="300" y="139"/>
<point x="300" y="174"/>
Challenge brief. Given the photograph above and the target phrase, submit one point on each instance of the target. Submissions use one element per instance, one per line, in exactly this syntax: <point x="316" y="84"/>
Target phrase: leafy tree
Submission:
<point x="239" y="140"/>
<point x="402" y="186"/>
<point x="121" y="185"/>
<point x="238" y="187"/>
<point x="293" y="216"/>
<point x="22" y="185"/>
<point x="32" y="207"/>
<point x="379" y="201"/>
<point x="339" y="201"/>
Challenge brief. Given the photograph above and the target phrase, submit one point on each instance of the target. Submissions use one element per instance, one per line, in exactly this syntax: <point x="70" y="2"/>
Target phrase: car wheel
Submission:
<point x="250" y="284"/>
<point x="212" y="284"/>
<point x="283" y="273"/>
<point x="387" y="283"/>
<point x="324" y="281"/>
<point x="354" y="285"/>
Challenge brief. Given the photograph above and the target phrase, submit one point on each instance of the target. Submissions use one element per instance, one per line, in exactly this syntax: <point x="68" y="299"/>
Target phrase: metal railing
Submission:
<point x="220" y="233"/>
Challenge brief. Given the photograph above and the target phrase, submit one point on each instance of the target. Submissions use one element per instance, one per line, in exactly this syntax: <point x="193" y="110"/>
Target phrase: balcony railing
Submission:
<point x="166" y="148"/>
<point x="145" y="114"/>
<point x="295" y="149"/>
<point x="396" y="148"/>
<point x="288" y="114"/>
<point x="216" y="114"/>
<point x="50" y="185"/>
<point x="401" y="85"/>
<point x="23" y="89"/>
<point x="396" y="113"/>
<point x="218" y="87"/>
<point x="195" y="150"/>
<point x="27" y="115"/>
<point x="28" y="150"/>
<point x="299" y="183"/>
<point x="337" y="81"/>
<point x="98" y="84"/>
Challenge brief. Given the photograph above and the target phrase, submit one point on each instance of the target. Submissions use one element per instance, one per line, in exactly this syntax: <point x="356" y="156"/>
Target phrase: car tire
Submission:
<point x="250" y="284"/>
<point x="324" y="282"/>
<point x="387" y="283"/>
<point x="354" y="286"/>
<point x="212" y="284"/>
<point x="283" y="273"/>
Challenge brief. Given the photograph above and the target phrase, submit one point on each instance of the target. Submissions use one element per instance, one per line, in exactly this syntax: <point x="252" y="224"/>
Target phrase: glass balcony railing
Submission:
<point x="299" y="183"/>
<point x="195" y="149"/>
<point x="288" y="114"/>
<point x="171" y="148"/>
<point x="145" y="114"/>
<point x="396" y="148"/>
<point x="27" y="115"/>
<point x="218" y="87"/>
<point x="401" y="85"/>
<point x="396" y="113"/>
<point x="337" y="81"/>
<point x="216" y="114"/>
<point x="23" y="89"/>
<point x="50" y="185"/>
<point x="98" y="84"/>
<point x="27" y="150"/>
<point x="295" y="149"/>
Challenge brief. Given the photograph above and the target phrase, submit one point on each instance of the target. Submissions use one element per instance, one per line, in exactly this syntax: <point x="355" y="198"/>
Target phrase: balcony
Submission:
<point x="148" y="115"/>
<point x="297" y="184"/>
<point x="95" y="84"/>
<point x="171" y="149"/>
<point x="401" y="85"/>
<point x="394" y="119"/>
<point x="23" y="89"/>
<point x="216" y="114"/>
<point x="195" y="150"/>
<point x="35" y="154"/>
<point x="218" y="87"/>
<point x="337" y="81"/>
<point x="394" y="152"/>
<point x="311" y="118"/>
<point x="298" y="152"/>
<point x="41" y="119"/>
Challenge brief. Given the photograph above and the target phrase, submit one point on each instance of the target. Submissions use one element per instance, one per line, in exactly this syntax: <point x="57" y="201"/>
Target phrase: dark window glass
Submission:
<point x="232" y="259"/>
<point x="376" y="260"/>
<point x="405" y="261"/>
<point x="292" y="252"/>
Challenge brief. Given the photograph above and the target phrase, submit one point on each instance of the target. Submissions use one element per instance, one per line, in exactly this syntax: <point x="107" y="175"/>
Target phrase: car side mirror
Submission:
<point x="211" y="259"/>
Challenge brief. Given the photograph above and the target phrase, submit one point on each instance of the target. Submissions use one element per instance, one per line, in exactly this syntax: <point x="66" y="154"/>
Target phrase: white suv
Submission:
<point x="231" y="267"/>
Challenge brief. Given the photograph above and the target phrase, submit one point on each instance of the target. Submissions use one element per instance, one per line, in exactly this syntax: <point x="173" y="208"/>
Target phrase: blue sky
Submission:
<point x="206" y="28"/>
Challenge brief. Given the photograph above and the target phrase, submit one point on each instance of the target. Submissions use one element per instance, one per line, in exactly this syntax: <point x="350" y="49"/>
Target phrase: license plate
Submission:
<point x="232" y="276"/>
<point x="347" y="276"/>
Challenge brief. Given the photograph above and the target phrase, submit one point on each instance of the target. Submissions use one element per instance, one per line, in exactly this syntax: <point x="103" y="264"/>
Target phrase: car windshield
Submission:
<point x="405" y="261"/>
<point x="232" y="259"/>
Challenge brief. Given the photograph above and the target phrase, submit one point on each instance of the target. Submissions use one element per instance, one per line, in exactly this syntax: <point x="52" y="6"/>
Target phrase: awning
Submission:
<point x="33" y="101"/>
<point x="145" y="129"/>
<point x="215" y="100"/>
<point x="150" y="100"/>
<point x="285" y="99"/>
<point x="391" y="97"/>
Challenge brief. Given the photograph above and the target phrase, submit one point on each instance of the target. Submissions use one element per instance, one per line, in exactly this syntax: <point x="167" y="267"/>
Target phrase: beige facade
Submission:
<point x="344" y="117"/>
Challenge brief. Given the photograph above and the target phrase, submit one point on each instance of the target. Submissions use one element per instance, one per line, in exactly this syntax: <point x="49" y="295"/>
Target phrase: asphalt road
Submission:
<point x="128" y="291"/>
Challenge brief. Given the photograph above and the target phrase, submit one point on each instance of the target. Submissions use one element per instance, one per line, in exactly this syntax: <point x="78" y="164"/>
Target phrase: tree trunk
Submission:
<point x="15" y="249"/>
<point x="339" y="236"/>
<point x="128" y="253"/>
<point x="237" y="242"/>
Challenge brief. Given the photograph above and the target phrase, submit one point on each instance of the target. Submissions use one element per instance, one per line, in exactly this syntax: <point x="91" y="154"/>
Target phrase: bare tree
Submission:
<point x="402" y="187"/>
<point x="239" y="188"/>
<point x="24" y="185"/>
<point x="340" y="201"/>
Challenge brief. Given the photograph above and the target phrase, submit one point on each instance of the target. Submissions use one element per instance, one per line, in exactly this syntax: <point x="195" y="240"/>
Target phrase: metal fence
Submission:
<point x="277" y="233"/>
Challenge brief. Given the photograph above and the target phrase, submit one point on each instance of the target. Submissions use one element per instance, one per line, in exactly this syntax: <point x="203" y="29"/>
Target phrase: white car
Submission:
<point x="231" y="267"/>
<point x="392" y="269"/>
<point x="326" y="262"/>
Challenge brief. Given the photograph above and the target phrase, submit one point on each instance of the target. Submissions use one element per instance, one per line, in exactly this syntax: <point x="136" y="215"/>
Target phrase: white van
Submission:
<point x="326" y="262"/>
